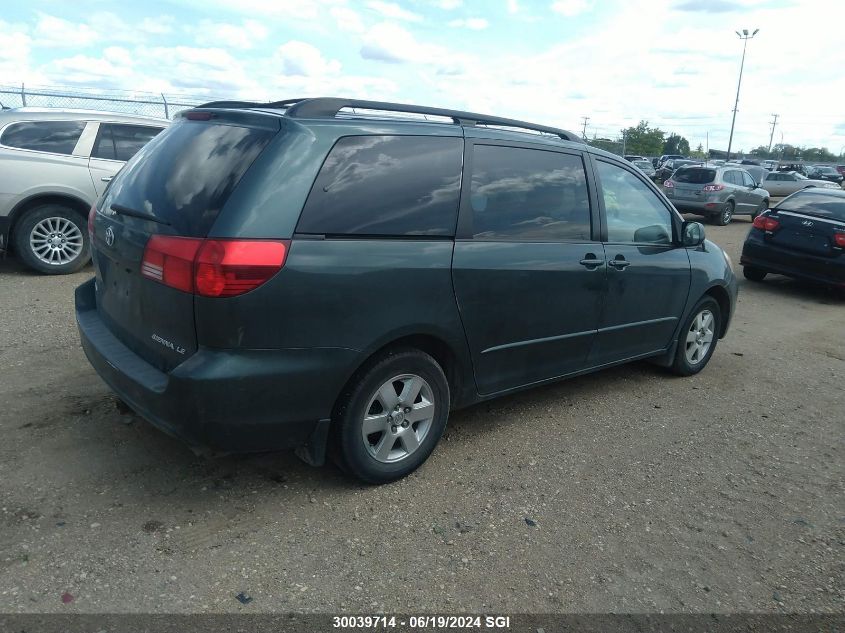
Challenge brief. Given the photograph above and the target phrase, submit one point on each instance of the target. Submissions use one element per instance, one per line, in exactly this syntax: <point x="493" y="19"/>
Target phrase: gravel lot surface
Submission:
<point x="626" y="490"/>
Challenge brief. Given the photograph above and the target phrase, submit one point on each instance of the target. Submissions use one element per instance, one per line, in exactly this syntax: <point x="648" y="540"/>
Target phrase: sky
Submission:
<point x="673" y="63"/>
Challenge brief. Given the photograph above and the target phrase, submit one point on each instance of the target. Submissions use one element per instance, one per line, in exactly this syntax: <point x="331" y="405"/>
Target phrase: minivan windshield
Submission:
<point x="694" y="175"/>
<point x="184" y="176"/>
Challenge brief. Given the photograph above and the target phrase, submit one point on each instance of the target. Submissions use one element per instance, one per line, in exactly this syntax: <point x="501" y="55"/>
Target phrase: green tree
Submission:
<point x="761" y="152"/>
<point x="818" y="155"/>
<point x="676" y="144"/>
<point x="643" y="140"/>
<point x="607" y="145"/>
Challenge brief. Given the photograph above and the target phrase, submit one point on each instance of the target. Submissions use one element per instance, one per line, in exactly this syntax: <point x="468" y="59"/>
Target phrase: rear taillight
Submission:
<point x="212" y="268"/>
<point x="92" y="213"/>
<point x="713" y="187"/>
<point x="765" y="223"/>
<point x="668" y="184"/>
<point x="839" y="239"/>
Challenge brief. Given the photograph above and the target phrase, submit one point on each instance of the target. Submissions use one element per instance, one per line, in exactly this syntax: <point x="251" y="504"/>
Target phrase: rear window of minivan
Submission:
<point x="694" y="175"/>
<point x="185" y="175"/>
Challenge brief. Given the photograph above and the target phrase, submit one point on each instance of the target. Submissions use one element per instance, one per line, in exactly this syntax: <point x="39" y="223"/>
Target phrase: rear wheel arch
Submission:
<point x="434" y="346"/>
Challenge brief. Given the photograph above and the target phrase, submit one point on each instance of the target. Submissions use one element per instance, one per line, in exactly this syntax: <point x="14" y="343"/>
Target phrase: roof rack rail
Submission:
<point x="328" y="107"/>
<point x="249" y="104"/>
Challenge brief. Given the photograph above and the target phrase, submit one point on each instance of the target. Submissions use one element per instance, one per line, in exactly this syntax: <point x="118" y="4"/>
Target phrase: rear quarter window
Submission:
<point x="386" y="186"/>
<point x="56" y="137"/>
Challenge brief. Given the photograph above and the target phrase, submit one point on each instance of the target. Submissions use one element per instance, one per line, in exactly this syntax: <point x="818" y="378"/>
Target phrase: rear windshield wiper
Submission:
<point x="119" y="208"/>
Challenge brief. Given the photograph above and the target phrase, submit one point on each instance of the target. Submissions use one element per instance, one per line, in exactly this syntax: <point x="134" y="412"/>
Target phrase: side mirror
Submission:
<point x="692" y="234"/>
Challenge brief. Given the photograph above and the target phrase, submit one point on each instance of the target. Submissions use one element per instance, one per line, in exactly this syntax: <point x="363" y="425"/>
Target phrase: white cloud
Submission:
<point x="387" y="42"/>
<point x="161" y="25"/>
<point x="56" y="32"/>
<point x="475" y="24"/>
<point x="571" y="8"/>
<point x="449" y="5"/>
<point x="118" y="55"/>
<point x="302" y="59"/>
<point x="513" y="6"/>
<point x="246" y="35"/>
<point x="394" y="11"/>
<point x="347" y="19"/>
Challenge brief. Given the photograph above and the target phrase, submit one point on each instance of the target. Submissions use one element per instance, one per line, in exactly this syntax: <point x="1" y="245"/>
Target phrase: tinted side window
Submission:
<point x="58" y="137"/>
<point x="104" y="147"/>
<point x="527" y="194"/>
<point x="128" y="139"/>
<point x="386" y="185"/>
<point x="747" y="180"/>
<point x="634" y="212"/>
<point x="733" y="177"/>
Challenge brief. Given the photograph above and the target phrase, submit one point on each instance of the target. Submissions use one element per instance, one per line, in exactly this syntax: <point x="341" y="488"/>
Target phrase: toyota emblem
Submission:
<point x="109" y="236"/>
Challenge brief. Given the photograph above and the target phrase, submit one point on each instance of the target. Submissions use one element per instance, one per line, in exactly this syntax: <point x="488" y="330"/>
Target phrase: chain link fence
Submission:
<point x="143" y="103"/>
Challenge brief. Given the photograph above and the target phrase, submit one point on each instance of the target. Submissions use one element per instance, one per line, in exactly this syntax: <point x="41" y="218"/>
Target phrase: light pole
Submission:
<point x="744" y="36"/>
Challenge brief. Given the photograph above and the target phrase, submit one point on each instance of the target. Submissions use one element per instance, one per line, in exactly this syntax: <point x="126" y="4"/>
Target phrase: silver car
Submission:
<point x="53" y="165"/>
<point x="645" y="166"/>
<point x="717" y="193"/>
<point x="780" y="183"/>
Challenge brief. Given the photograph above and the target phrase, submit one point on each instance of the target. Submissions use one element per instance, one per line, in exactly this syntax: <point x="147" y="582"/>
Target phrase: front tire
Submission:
<point x="753" y="274"/>
<point x="391" y="416"/>
<point x="52" y="239"/>
<point x="697" y="338"/>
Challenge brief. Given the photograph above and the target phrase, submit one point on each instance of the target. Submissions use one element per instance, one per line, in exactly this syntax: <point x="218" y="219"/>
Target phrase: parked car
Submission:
<point x="757" y="173"/>
<point x="633" y="157"/>
<point x="825" y="172"/>
<point x="385" y="280"/>
<point x="645" y="167"/>
<point x="669" y="167"/>
<point x="796" y="167"/>
<point x="841" y="169"/>
<point x="802" y="237"/>
<point x="666" y="157"/>
<point x="771" y="165"/>
<point x="53" y="165"/>
<point x="718" y="193"/>
<point x="780" y="183"/>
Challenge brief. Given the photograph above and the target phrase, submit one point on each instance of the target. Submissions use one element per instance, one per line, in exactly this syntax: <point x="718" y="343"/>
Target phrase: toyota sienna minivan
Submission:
<point x="338" y="275"/>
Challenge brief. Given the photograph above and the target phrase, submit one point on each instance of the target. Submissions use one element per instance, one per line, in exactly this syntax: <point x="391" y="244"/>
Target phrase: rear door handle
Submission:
<point x="591" y="261"/>
<point x="620" y="263"/>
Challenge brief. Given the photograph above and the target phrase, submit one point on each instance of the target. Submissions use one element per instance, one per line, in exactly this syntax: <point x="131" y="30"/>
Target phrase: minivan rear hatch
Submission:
<point x="175" y="186"/>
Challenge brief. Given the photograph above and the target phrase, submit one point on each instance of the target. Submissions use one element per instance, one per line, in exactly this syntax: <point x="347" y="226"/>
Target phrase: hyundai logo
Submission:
<point x="109" y="236"/>
<point x="807" y="223"/>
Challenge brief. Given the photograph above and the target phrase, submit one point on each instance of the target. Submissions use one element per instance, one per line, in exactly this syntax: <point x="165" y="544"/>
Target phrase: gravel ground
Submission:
<point x="624" y="491"/>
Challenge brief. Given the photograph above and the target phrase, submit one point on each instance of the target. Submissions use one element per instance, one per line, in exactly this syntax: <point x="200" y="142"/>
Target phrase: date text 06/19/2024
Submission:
<point x="422" y="622"/>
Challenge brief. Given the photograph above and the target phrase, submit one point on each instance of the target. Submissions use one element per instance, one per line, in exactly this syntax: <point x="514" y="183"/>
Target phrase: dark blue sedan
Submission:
<point x="802" y="237"/>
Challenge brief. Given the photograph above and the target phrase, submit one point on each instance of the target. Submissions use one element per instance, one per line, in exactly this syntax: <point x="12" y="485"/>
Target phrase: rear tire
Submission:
<point x="52" y="239"/>
<point x="753" y="274"/>
<point x="374" y="440"/>
<point x="726" y="214"/>
<point x="697" y="338"/>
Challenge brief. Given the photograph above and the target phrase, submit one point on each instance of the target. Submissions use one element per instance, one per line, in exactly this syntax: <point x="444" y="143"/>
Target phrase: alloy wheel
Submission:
<point x="700" y="337"/>
<point x="398" y="418"/>
<point x="56" y="241"/>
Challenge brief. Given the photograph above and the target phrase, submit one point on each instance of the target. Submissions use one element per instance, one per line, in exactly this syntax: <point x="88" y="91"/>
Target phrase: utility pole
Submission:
<point x="744" y="36"/>
<point x="772" y="135"/>
<point x="584" y="130"/>
<point x="624" y="139"/>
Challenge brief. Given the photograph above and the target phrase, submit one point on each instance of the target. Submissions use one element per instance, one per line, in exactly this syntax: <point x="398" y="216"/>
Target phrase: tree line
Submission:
<point x="645" y="140"/>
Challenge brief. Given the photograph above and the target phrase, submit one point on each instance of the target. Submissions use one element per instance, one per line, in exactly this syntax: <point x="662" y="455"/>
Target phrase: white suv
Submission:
<point x="53" y="165"/>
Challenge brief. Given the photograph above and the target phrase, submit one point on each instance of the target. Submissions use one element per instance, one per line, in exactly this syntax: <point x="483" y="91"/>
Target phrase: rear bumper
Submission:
<point x="825" y="270"/>
<point x="699" y="207"/>
<point x="228" y="400"/>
